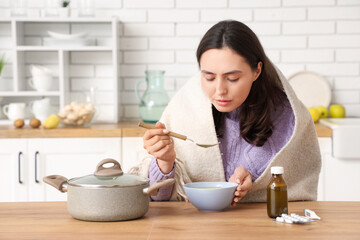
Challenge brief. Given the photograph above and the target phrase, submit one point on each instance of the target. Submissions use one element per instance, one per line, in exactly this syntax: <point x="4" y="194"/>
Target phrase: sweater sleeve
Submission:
<point x="155" y="174"/>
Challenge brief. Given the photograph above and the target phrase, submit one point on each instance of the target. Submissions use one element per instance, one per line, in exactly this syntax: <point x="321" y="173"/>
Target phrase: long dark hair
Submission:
<point x="266" y="92"/>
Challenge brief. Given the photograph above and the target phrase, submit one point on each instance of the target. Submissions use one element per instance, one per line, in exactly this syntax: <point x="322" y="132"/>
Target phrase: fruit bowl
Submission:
<point x="77" y="114"/>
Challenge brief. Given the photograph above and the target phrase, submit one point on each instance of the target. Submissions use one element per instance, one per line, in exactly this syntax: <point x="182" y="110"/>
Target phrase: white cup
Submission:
<point x="41" y="82"/>
<point x="14" y="111"/>
<point x="39" y="70"/>
<point x="40" y="108"/>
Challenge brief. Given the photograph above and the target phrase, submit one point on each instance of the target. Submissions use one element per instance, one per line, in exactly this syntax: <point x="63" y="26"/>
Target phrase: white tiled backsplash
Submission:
<point x="316" y="35"/>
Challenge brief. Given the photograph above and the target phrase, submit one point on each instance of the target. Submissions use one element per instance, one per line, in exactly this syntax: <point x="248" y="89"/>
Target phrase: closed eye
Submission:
<point x="232" y="79"/>
<point x="209" y="77"/>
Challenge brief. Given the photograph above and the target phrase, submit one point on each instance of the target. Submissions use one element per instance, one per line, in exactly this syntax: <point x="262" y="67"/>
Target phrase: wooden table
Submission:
<point x="180" y="220"/>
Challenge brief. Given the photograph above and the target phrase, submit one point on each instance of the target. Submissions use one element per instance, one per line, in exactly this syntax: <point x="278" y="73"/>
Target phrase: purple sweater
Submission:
<point x="235" y="151"/>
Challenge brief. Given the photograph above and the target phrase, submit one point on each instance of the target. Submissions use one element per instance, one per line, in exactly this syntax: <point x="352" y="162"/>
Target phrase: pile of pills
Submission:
<point x="293" y="218"/>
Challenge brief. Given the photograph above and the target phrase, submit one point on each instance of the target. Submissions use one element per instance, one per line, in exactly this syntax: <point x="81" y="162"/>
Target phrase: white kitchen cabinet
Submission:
<point x="70" y="157"/>
<point x="132" y="152"/>
<point x="339" y="178"/>
<point x="14" y="187"/>
<point x="325" y="149"/>
<point x="28" y="45"/>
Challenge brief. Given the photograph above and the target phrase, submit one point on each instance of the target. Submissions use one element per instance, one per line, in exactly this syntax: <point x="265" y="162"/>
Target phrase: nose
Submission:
<point x="221" y="88"/>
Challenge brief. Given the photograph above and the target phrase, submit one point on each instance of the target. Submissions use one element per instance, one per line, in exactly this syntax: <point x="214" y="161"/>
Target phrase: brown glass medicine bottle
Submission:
<point x="277" y="201"/>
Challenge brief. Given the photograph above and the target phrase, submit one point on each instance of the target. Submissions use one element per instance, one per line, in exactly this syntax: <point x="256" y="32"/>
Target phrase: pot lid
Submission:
<point x="108" y="177"/>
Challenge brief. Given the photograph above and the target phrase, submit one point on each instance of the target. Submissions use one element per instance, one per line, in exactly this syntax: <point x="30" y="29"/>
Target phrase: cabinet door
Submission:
<point x="325" y="150"/>
<point x="339" y="178"/>
<point x="13" y="170"/>
<point x="133" y="152"/>
<point x="69" y="157"/>
<point x="342" y="179"/>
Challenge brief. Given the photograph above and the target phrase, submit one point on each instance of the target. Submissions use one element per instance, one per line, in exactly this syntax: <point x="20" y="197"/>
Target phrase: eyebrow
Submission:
<point x="231" y="72"/>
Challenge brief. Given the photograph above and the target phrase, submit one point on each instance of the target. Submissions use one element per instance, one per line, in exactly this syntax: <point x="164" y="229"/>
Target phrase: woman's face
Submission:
<point x="226" y="78"/>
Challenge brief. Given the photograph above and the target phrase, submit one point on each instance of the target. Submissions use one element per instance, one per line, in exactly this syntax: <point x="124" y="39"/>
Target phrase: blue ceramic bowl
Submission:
<point x="210" y="196"/>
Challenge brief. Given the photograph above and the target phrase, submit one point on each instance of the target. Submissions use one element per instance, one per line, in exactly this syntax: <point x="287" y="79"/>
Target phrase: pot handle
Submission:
<point x="153" y="189"/>
<point x="57" y="182"/>
<point x="111" y="171"/>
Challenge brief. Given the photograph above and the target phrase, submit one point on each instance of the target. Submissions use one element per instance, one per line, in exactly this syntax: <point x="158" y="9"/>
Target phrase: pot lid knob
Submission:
<point x="111" y="171"/>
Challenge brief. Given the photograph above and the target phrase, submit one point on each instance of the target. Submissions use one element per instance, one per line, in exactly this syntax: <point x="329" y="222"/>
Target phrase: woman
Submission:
<point x="247" y="106"/>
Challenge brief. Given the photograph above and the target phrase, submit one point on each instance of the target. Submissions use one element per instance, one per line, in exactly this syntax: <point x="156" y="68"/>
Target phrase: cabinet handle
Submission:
<point x="19" y="167"/>
<point x="36" y="154"/>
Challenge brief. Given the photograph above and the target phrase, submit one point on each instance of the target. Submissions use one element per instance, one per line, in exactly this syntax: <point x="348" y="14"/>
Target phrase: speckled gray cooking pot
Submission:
<point x="108" y="194"/>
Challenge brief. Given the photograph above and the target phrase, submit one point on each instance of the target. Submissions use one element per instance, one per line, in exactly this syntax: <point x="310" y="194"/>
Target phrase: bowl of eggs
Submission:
<point x="210" y="196"/>
<point x="77" y="114"/>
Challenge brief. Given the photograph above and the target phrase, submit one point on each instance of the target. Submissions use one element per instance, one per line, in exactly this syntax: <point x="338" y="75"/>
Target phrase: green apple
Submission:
<point x="315" y="114"/>
<point x="324" y="113"/>
<point x="337" y="111"/>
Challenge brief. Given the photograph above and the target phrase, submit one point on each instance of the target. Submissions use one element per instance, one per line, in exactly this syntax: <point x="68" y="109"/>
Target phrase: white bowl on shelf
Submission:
<point x="67" y="36"/>
<point x="69" y="42"/>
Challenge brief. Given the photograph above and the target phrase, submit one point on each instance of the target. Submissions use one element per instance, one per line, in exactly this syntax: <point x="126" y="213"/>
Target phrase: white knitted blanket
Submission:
<point x="190" y="113"/>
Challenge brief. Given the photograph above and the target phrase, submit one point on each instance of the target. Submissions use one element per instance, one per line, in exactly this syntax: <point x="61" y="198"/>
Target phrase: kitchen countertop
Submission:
<point x="180" y="220"/>
<point x="121" y="129"/>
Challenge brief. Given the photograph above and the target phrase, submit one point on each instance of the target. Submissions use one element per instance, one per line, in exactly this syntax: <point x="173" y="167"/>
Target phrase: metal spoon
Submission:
<point x="176" y="135"/>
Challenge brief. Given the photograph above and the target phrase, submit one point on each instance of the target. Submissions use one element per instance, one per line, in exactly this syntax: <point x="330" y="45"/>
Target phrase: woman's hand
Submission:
<point x="242" y="177"/>
<point x="158" y="143"/>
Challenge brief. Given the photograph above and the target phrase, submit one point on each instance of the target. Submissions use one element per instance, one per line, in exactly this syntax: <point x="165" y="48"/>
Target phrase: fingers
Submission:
<point x="161" y="131"/>
<point x="160" y="125"/>
<point x="156" y="139"/>
<point x="246" y="184"/>
<point x="240" y="173"/>
<point x="166" y="153"/>
<point x="158" y="143"/>
<point x="243" y="178"/>
<point x="150" y="133"/>
<point x="238" y="196"/>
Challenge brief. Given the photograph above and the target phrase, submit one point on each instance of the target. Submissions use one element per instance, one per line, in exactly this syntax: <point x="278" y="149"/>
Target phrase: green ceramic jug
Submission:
<point x="154" y="100"/>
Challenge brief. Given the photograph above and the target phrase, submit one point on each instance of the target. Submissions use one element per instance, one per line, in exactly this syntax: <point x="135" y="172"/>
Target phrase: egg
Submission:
<point x="84" y="112"/>
<point x="19" y="123"/>
<point x="89" y="107"/>
<point x="62" y="113"/>
<point x="72" y="116"/>
<point x="68" y="108"/>
<point x="35" y="123"/>
<point x="80" y="122"/>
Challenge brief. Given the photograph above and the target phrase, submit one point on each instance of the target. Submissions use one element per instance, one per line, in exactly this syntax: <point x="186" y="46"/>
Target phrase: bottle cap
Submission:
<point x="277" y="170"/>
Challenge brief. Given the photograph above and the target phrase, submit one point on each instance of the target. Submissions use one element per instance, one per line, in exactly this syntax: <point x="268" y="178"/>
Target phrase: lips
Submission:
<point x="223" y="102"/>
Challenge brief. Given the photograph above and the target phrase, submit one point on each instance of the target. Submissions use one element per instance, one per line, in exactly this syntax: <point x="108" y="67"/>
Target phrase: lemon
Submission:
<point x="337" y="111"/>
<point x="324" y="113"/>
<point x="51" y="122"/>
<point x="314" y="114"/>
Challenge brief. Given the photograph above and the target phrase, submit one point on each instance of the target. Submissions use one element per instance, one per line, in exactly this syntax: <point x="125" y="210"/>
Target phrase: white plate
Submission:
<point x="311" y="88"/>
<point x="67" y="36"/>
<point x="69" y="42"/>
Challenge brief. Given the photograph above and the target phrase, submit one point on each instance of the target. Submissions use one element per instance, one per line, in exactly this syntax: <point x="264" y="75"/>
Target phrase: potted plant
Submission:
<point x="65" y="9"/>
<point x="2" y="63"/>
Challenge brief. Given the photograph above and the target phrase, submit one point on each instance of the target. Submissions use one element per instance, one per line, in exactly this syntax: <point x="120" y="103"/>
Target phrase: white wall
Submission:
<point x="315" y="35"/>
